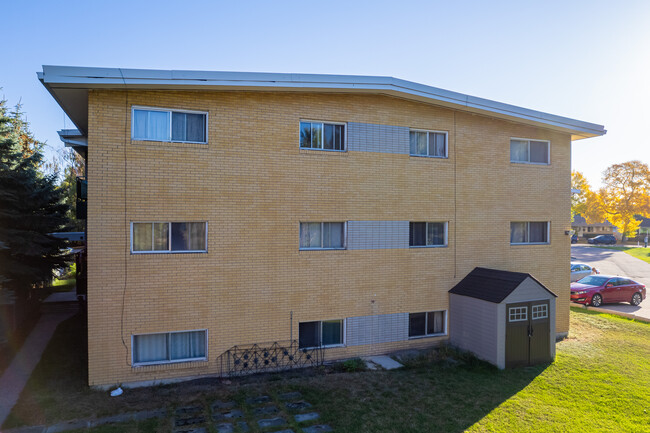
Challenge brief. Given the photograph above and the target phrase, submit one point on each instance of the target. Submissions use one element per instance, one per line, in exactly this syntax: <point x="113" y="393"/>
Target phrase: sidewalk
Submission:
<point x="16" y="375"/>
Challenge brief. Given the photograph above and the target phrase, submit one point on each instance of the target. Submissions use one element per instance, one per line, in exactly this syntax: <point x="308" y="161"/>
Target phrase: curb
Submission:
<point x="617" y="313"/>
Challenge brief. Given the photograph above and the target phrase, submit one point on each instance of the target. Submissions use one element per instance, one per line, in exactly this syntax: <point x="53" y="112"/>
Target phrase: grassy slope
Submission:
<point x="639" y="253"/>
<point x="599" y="382"/>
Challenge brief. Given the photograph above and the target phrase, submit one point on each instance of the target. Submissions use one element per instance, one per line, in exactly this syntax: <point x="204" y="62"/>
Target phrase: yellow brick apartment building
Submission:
<point x="230" y="210"/>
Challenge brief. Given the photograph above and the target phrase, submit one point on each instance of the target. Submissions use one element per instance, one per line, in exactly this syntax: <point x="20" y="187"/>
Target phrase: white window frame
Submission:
<point x="426" y="229"/>
<point x="320" y="334"/>
<point x="345" y="236"/>
<point x="169" y="111"/>
<point x="518" y="311"/>
<point x="169" y="234"/>
<point x="323" y="123"/>
<point x="427" y="131"/>
<point x="175" y="361"/>
<point x="539" y="311"/>
<point x="426" y="319"/>
<point x="548" y="151"/>
<point x="548" y="233"/>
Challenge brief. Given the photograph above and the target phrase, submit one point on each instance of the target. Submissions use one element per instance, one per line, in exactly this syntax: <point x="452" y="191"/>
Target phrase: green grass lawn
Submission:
<point x="639" y="253"/>
<point x="599" y="382"/>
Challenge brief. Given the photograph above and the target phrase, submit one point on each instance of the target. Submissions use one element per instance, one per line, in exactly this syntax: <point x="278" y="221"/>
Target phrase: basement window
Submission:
<point x="169" y="347"/>
<point x="427" y="324"/>
<point x="326" y="333"/>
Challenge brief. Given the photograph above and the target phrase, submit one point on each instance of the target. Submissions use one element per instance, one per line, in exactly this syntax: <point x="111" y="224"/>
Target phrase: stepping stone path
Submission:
<point x="290" y="396"/>
<point x="302" y="417"/>
<point x="297" y="405"/>
<point x="265" y="410"/>
<point x="317" y="428"/>
<point x="224" y="428"/>
<point x="232" y="414"/>
<point x="272" y="422"/>
<point x="258" y="400"/>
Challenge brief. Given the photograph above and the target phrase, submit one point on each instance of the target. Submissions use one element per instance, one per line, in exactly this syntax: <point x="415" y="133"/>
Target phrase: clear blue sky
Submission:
<point x="588" y="60"/>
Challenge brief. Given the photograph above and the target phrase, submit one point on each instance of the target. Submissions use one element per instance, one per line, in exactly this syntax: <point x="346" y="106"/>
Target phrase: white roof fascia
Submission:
<point x="71" y="77"/>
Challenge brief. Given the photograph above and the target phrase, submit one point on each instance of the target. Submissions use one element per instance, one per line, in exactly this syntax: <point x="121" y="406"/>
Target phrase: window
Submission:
<point x="169" y="347"/>
<point x="428" y="143"/>
<point x="529" y="232"/>
<point x="422" y="234"/>
<point x="326" y="333"/>
<point x="529" y="151"/>
<point x="427" y="324"/>
<point x="518" y="314"/>
<point x="166" y="237"/>
<point x="317" y="236"/>
<point x="168" y="125"/>
<point x="539" y="311"/>
<point x="323" y="136"/>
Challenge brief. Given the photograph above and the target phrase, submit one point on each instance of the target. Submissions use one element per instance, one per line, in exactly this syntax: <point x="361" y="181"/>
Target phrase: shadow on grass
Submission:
<point x="442" y="390"/>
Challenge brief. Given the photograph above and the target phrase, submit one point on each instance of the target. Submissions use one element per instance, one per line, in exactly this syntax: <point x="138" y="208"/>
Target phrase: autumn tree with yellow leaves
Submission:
<point x="625" y="194"/>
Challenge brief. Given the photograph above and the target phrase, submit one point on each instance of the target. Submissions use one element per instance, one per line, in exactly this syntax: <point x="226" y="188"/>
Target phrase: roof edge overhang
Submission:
<point x="69" y="85"/>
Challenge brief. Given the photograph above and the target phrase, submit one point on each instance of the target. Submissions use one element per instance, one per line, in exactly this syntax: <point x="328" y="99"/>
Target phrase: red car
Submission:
<point x="600" y="289"/>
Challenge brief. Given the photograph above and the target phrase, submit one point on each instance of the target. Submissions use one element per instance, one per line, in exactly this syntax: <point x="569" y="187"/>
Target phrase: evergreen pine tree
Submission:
<point x="31" y="206"/>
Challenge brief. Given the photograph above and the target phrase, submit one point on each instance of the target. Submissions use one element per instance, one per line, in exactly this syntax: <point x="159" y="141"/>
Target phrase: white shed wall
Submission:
<point x="473" y="326"/>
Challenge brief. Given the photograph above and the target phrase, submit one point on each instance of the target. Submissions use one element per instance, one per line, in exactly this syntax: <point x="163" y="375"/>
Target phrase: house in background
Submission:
<point x="244" y="222"/>
<point x="586" y="231"/>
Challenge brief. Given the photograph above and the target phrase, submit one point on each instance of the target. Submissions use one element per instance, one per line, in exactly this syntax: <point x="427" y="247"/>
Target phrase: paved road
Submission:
<point x="612" y="262"/>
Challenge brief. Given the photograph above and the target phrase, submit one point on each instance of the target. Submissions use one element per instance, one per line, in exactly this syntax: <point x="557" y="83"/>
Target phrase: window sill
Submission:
<point x="428" y="156"/>
<point x="531" y="163"/>
<point x="427" y="246"/>
<point x="167" y="141"/>
<point x="163" y="363"/>
<point x="323" y="150"/>
<point x="529" y="243"/>
<point x="331" y="346"/>
<point x="419" y="337"/>
<point x="322" y="249"/>
<point x="170" y="252"/>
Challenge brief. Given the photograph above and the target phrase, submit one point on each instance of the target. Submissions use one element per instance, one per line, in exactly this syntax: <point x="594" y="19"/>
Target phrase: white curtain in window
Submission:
<point x="538" y="232"/>
<point x="150" y="348"/>
<point x="437" y="144"/>
<point x="539" y="152"/>
<point x="518" y="233"/>
<point x="418" y="143"/>
<point x="187" y="345"/>
<point x="142" y="237"/>
<point x="158" y="126"/>
<point x="310" y="235"/>
<point x="519" y="150"/>
<point x="140" y="124"/>
<point x="333" y="235"/>
<point x="161" y="236"/>
<point x="197" y="236"/>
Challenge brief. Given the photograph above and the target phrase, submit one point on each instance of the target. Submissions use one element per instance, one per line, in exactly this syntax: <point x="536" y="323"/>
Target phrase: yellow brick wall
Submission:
<point x="254" y="185"/>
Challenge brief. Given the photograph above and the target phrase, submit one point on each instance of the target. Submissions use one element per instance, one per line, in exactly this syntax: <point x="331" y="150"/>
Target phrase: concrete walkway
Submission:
<point x="16" y="375"/>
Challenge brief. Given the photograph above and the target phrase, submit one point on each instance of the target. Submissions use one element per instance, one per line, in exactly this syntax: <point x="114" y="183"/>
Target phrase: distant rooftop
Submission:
<point x="69" y="85"/>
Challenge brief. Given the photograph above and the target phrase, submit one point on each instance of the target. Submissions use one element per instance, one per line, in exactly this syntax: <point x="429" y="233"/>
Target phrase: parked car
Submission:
<point x="602" y="289"/>
<point x="574" y="239"/>
<point x="603" y="239"/>
<point x="580" y="270"/>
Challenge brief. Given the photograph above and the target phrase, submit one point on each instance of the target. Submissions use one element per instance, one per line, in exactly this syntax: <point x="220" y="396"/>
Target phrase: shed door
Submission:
<point x="528" y="330"/>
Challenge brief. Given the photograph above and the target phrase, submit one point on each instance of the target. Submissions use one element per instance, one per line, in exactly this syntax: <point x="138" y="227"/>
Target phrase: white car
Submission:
<point x="580" y="270"/>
